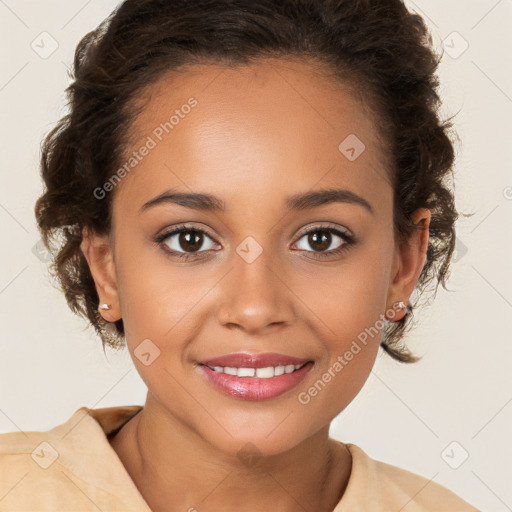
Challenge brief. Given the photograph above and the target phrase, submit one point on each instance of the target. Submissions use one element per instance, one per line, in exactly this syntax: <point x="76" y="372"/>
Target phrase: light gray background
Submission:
<point x="52" y="364"/>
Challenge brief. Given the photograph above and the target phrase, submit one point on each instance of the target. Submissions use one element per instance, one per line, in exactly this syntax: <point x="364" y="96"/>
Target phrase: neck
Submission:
<point x="175" y="469"/>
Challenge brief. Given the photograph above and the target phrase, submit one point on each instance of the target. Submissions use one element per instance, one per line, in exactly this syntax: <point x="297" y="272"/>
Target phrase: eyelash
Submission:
<point x="348" y="239"/>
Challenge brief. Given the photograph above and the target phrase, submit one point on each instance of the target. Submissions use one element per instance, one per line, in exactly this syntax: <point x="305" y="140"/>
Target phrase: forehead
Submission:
<point x="275" y="125"/>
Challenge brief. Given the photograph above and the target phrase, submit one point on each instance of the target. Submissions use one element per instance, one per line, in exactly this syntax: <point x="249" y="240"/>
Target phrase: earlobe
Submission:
<point x="98" y="252"/>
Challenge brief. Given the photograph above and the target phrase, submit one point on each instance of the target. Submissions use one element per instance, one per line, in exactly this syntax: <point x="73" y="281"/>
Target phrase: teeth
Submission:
<point x="278" y="370"/>
<point x="245" y="372"/>
<point x="261" y="373"/>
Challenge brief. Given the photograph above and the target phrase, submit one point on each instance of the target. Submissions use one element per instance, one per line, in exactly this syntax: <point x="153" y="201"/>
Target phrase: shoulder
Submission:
<point x="35" y="462"/>
<point x="378" y="486"/>
<point x="69" y="467"/>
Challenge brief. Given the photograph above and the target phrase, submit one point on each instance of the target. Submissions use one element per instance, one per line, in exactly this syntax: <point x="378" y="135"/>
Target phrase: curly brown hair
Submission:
<point x="378" y="47"/>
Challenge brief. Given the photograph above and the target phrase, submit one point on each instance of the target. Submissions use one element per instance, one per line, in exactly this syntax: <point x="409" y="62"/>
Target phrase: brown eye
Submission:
<point x="321" y="240"/>
<point x="184" y="240"/>
<point x="325" y="242"/>
<point x="190" y="240"/>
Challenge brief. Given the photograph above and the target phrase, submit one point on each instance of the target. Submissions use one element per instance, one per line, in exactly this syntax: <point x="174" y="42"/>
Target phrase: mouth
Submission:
<point x="266" y="372"/>
<point x="255" y="377"/>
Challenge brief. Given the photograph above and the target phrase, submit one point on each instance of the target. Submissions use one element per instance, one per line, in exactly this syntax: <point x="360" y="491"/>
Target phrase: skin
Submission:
<point x="259" y="134"/>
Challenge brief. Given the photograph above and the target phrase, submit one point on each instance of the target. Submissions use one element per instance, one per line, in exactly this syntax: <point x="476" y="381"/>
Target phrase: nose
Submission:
<point x="255" y="296"/>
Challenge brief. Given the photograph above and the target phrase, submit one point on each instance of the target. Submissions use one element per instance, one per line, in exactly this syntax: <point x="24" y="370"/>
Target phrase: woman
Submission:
<point x="246" y="194"/>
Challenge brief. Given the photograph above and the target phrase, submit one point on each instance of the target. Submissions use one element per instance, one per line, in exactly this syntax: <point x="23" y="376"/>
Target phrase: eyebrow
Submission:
<point x="298" y="202"/>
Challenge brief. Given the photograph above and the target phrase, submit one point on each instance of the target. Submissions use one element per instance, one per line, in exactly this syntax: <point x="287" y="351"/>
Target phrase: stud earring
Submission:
<point x="397" y="306"/>
<point x="105" y="307"/>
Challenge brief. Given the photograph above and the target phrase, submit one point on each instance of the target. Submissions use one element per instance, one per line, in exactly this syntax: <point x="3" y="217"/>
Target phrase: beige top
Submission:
<point x="72" y="467"/>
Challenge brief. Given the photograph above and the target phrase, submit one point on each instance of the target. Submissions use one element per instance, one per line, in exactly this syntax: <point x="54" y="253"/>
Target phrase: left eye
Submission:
<point x="322" y="239"/>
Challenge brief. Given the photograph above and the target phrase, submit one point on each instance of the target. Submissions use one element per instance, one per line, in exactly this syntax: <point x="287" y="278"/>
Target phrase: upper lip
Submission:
<point x="245" y="360"/>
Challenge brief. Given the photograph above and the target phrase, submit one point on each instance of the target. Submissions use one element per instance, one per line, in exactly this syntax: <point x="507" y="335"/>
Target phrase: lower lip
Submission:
<point x="253" y="388"/>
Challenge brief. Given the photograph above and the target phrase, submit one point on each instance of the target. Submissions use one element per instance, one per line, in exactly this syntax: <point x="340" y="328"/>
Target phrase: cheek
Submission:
<point x="347" y="312"/>
<point x="161" y="299"/>
<point x="156" y="304"/>
<point x="348" y="319"/>
<point x="350" y="297"/>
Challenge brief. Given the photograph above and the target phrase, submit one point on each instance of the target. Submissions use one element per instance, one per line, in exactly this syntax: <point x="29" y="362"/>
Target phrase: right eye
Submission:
<point x="184" y="241"/>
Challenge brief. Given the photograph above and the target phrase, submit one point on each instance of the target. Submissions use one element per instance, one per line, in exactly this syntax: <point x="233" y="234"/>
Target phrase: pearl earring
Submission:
<point x="104" y="307"/>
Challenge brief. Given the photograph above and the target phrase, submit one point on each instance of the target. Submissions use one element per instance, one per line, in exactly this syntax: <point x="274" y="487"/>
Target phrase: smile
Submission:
<point x="254" y="384"/>
<point x="260" y="373"/>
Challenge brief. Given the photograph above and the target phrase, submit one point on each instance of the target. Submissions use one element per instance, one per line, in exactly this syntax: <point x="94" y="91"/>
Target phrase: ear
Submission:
<point x="98" y="252"/>
<point x="410" y="259"/>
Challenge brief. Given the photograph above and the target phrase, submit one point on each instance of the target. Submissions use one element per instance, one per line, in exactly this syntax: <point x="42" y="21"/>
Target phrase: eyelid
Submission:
<point x="172" y="231"/>
<point x="175" y="230"/>
<point x="330" y="225"/>
<point x="181" y="225"/>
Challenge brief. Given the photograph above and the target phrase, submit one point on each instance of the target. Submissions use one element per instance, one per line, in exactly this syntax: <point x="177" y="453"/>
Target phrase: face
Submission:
<point x="262" y="273"/>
